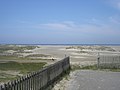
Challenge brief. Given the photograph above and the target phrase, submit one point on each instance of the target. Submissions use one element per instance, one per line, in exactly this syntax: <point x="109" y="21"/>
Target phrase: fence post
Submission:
<point x="17" y="84"/>
<point x="98" y="61"/>
<point x="26" y="87"/>
<point x="1" y="87"/>
<point x="119" y="62"/>
<point x="9" y="85"/>
<point x="23" y="83"/>
<point x="31" y="81"/>
<point x="12" y="84"/>
<point x="5" y="86"/>
<point x="21" y="80"/>
<point x="28" y="81"/>
<point x="35" y="80"/>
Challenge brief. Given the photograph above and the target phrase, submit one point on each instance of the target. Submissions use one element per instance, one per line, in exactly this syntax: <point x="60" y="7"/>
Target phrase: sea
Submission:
<point x="69" y="44"/>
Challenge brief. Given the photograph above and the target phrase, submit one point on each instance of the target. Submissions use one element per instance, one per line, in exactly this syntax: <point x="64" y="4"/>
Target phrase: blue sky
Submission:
<point x="60" y="21"/>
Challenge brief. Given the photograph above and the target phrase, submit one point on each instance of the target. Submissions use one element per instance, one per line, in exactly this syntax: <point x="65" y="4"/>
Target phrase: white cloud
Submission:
<point x="54" y="26"/>
<point x="114" y="3"/>
<point x="115" y="19"/>
<point x="70" y="25"/>
<point x="95" y="22"/>
<point x="95" y="27"/>
<point x="66" y="25"/>
<point x="118" y="5"/>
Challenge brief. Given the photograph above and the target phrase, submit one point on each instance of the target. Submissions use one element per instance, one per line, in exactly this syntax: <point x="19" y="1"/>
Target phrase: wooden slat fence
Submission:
<point x="109" y="61"/>
<point x="39" y="80"/>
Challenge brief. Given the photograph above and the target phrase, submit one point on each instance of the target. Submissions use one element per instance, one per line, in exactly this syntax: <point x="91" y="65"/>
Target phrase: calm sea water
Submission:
<point x="71" y="44"/>
<point x="81" y="44"/>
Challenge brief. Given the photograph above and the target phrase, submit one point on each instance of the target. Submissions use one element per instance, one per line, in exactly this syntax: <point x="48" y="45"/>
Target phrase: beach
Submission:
<point x="80" y="55"/>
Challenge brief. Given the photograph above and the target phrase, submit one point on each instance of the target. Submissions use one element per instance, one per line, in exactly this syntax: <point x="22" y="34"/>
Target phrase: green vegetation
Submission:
<point x="22" y="51"/>
<point x="5" y="77"/>
<point x="17" y="53"/>
<point x="24" y="67"/>
<point x="82" y="52"/>
<point x="102" y="48"/>
<point x="93" y="67"/>
<point x="10" y="57"/>
<point x="19" y="48"/>
<point x="18" y="57"/>
<point x="77" y="67"/>
<point x="71" y="47"/>
<point x="37" y="55"/>
<point x="115" y="70"/>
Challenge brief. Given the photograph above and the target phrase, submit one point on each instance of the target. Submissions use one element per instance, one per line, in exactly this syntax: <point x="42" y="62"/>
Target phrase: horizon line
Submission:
<point x="58" y="44"/>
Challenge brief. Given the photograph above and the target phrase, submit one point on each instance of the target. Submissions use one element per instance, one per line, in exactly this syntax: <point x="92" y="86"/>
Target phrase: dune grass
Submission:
<point x="16" y="47"/>
<point x="38" y="55"/>
<point x="93" y="67"/>
<point x="23" y="68"/>
<point x="86" y="67"/>
<point x="17" y="57"/>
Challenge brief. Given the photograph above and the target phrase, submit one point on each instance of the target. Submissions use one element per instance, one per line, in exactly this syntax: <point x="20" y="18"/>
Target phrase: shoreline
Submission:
<point x="65" y="44"/>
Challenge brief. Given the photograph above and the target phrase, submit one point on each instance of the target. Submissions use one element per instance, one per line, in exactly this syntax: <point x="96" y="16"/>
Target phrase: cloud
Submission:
<point x="114" y="3"/>
<point x="70" y="25"/>
<point x="115" y="19"/>
<point x="54" y="26"/>
<point x="117" y="4"/>
<point x="94" y="26"/>
<point x="95" y="22"/>
<point x="66" y="25"/>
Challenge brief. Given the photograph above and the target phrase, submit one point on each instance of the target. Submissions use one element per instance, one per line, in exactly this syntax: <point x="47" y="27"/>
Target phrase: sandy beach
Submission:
<point x="79" y="55"/>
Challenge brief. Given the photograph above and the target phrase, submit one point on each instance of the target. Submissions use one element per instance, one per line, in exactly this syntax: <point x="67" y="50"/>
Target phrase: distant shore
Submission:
<point x="65" y="44"/>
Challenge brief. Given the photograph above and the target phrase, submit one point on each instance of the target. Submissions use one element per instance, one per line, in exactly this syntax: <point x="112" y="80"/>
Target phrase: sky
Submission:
<point x="59" y="21"/>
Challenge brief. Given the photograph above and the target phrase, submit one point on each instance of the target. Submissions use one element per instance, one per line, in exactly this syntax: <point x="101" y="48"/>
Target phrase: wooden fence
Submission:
<point x="39" y="80"/>
<point x="109" y="61"/>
